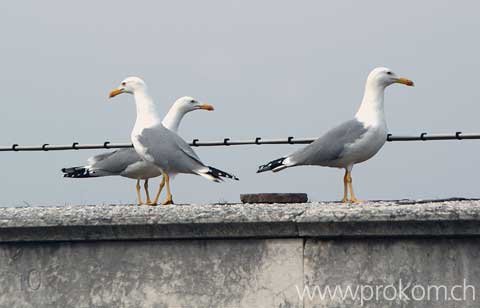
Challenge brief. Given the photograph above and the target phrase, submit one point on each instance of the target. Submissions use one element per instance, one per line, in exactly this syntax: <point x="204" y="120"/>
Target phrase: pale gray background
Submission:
<point x="271" y="68"/>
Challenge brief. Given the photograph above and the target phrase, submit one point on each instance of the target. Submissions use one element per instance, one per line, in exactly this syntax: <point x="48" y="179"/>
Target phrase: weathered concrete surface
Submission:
<point x="320" y="219"/>
<point x="377" y="263"/>
<point x="236" y="255"/>
<point x="219" y="273"/>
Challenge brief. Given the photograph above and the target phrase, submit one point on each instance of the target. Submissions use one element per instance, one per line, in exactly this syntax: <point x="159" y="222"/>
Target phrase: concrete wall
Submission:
<point x="239" y="255"/>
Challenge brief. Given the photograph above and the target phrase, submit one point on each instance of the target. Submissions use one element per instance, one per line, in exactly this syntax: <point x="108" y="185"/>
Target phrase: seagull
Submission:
<point x="126" y="162"/>
<point x="351" y="142"/>
<point x="158" y="145"/>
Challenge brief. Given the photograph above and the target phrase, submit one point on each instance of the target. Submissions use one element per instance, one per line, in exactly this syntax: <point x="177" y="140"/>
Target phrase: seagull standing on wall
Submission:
<point x="351" y="142"/>
<point x="160" y="146"/>
<point x="126" y="162"/>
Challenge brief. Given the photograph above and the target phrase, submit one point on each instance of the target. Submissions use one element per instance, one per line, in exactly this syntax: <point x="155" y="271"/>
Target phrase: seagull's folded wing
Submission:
<point x="115" y="162"/>
<point x="169" y="150"/>
<point x="330" y="146"/>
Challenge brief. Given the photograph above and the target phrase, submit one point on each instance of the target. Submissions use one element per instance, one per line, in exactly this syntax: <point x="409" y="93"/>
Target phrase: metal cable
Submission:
<point x="228" y="142"/>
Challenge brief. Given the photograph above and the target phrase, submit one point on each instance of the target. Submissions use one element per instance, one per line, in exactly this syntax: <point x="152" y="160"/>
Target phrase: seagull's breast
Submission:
<point x="366" y="146"/>
<point x="140" y="147"/>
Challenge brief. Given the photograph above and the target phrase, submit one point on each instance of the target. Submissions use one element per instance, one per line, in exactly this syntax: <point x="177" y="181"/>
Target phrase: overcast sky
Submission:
<point x="271" y="69"/>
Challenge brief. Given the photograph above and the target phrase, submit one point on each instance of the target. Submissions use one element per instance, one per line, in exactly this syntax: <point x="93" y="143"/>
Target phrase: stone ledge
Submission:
<point x="404" y="218"/>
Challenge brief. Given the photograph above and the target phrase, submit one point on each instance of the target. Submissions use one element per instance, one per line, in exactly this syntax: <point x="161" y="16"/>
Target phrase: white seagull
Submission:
<point x="351" y="142"/>
<point x="160" y="146"/>
<point x="126" y="162"/>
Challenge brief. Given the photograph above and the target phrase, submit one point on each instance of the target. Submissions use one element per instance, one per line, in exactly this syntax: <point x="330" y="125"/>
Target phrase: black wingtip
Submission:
<point x="76" y="172"/>
<point x="271" y="165"/>
<point x="219" y="174"/>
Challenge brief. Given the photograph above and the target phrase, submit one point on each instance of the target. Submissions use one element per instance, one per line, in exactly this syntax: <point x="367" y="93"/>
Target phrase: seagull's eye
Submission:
<point x="192" y="101"/>
<point x="389" y="73"/>
<point x="124" y="83"/>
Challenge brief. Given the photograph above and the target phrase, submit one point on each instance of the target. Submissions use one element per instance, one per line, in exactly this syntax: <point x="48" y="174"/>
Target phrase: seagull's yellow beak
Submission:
<point x="115" y="92"/>
<point x="405" y="81"/>
<point x="206" y="107"/>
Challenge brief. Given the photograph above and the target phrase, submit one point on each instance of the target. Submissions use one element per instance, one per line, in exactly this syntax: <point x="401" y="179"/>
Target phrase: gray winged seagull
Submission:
<point x="160" y="146"/>
<point x="126" y="162"/>
<point x="351" y="142"/>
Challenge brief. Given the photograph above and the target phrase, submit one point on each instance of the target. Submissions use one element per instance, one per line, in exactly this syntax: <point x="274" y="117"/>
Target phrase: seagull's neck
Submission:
<point x="371" y="111"/>
<point x="147" y="111"/>
<point x="173" y="118"/>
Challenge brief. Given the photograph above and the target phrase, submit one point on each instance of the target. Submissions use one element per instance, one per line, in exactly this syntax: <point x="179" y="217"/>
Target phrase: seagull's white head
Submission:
<point x="186" y="104"/>
<point x="383" y="77"/>
<point x="129" y="85"/>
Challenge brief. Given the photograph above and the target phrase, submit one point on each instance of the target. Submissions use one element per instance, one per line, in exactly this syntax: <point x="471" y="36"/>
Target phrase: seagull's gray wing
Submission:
<point x="114" y="162"/>
<point x="330" y="146"/>
<point x="169" y="151"/>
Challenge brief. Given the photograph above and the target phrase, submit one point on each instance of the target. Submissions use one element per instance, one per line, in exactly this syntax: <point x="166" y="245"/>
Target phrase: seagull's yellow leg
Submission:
<point x="139" y="196"/>
<point x="169" y="199"/>
<point x="147" y="194"/>
<point x="345" y="188"/>
<point x="160" y="188"/>
<point x="350" y="186"/>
